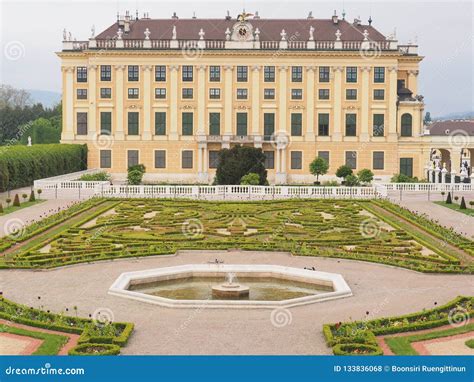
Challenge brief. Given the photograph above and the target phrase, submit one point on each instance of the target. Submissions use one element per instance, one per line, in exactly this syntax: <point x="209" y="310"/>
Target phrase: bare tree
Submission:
<point x="9" y="96"/>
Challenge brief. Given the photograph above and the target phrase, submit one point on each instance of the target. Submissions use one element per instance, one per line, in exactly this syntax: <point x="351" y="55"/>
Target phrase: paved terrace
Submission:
<point x="378" y="289"/>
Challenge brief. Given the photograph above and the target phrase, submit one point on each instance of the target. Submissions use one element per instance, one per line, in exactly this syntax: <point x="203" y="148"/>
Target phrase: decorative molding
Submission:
<point x="228" y="67"/>
<point x="392" y="68"/>
<point x="119" y="67"/>
<point x="413" y="72"/>
<point x="337" y="68"/>
<point x="242" y="107"/>
<point x="147" y="68"/>
<point x="296" y="107"/>
<point x="256" y="68"/>
<point x="67" y="69"/>
<point x="187" y="107"/>
<point x="311" y="68"/>
<point x="365" y="69"/>
<point x="92" y="67"/>
<point x="283" y="68"/>
<point x="174" y="67"/>
<point x="202" y="67"/>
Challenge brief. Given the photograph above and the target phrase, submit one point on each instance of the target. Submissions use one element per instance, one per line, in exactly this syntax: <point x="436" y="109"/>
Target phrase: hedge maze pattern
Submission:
<point x="331" y="228"/>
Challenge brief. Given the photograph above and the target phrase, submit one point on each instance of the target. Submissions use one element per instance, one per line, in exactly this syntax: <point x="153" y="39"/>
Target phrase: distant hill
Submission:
<point x="45" y="97"/>
<point x="457" y="115"/>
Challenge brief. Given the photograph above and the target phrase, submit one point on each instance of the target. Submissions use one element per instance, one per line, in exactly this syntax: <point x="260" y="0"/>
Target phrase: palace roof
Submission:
<point x="448" y="127"/>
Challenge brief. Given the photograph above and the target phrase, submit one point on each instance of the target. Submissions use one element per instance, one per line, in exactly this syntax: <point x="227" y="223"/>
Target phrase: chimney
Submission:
<point x="335" y="19"/>
<point x="175" y="16"/>
<point x="227" y="17"/>
<point x="256" y="16"/>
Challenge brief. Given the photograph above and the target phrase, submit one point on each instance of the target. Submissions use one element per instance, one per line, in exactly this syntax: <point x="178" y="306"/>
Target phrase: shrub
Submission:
<point x="16" y="201"/>
<point x="365" y="176"/>
<point x="238" y="161"/>
<point x="471" y="203"/>
<point x="21" y="165"/>
<point x="32" y="196"/>
<point x="135" y="174"/>
<point x="448" y="199"/>
<point x="39" y="191"/>
<point x="8" y="201"/>
<point x="95" y="349"/>
<point x="250" y="179"/>
<point x="462" y="206"/>
<point x="318" y="167"/>
<point x="456" y="198"/>
<point x="98" y="177"/>
<point x="343" y="171"/>
<point x="357" y="349"/>
<point x="24" y="196"/>
<point x="470" y="343"/>
<point x="402" y="178"/>
<point x="352" y="180"/>
<point x="1" y="208"/>
<point x="331" y="183"/>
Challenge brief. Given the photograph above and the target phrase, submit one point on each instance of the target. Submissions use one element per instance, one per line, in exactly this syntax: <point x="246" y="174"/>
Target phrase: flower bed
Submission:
<point x="116" y="333"/>
<point x="356" y="349"/>
<point x="365" y="332"/>
<point x="95" y="349"/>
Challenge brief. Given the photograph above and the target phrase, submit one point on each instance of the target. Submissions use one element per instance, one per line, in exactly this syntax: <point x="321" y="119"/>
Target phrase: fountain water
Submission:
<point x="230" y="289"/>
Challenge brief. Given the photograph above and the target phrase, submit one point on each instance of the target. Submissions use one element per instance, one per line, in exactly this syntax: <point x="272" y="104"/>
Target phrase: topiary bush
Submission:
<point x="462" y="206"/>
<point x="448" y="199"/>
<point x="32" y="196"/>
<point x="16" y="201"/>
<point x="357" y="349"/>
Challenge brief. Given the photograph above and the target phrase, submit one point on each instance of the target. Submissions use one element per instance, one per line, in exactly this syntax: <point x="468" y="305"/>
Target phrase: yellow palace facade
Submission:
<point x="171" y="93"/>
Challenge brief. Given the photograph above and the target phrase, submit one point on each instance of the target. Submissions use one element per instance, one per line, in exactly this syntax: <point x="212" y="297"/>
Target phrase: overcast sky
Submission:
<point x="31" y="33"/>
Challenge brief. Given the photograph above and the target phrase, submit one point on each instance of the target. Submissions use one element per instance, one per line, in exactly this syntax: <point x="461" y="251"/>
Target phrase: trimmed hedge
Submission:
<point x="95" y="349"/>
<point x="356" y="349"/>
<point x="21" y="165"/>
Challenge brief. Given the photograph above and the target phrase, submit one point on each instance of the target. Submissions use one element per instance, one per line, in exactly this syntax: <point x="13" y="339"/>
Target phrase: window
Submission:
<point x="351" y="74"/>
<point x="323" y="94"/>
<point x="105" y="93"/>
<point x="296" y="160"/>
<point x="213" y="158"/>
<point x="296" y="124"/>
<point x="187" y="159"/>
<point x="133" y="73"/>
<point x="214" y="123"/>
<point x="187" y="74"/>
<point x="160" y="159"/>
<point x="323" y="124"/>
<point x="241" y="124"/>
<point x="378" y="159"/>
<point x="296" y="74"/>
<point x="406" y="166"/>
<point x="133" y="127"/>
<point x="406" y="128"/>
<point x="81" y="123"/>
<point x="132" y="158"/>
<point x="81" y="74"/>
<point x="378" y="125"/>
<point x="214" y="73"/>
<point x="105" y="73"/>
<point x="215" y="93"/>
<point x="400" y="84"/>
<point x="81" y="93"/>
<point x="351" y="127"/>
<point x="160" y="73"/>
<point x="268" y="126"/>
<point x="187" y="93"/>
<point x="105" y="123"/>
<point x="187" y="123"/>
<point x="269" y="160"/>
<point x="379" y="94"/>
<point x="351" y="159"/>
<point x="242" y="93"/>
<point x="133" y="93"/>
<point x="351" y="94"/>
<point x="324" y="155"/>
<point x="324" y="74"/>
<point x="269" y="94"/>
<point x="269" y="74"/>
<point x="160" y="93"/>
<point x="379" y="74"/>
<point x="105" y="158"/>
<point x="242" y="74"/>
<point x="296" y="94"/>
<point x="160" y="123"/>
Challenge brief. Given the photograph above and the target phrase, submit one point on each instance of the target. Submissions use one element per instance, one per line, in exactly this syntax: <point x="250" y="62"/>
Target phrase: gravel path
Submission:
<point x="378" y="289"/>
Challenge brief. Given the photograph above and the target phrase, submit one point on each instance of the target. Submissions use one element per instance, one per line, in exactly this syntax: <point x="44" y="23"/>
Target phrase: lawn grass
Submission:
<point x="51" y="345"/>
<point x="402" y="345"/>
<point x="9" y="210"/>
<point x="468" y="211"/>
<point x="470" y="343"/>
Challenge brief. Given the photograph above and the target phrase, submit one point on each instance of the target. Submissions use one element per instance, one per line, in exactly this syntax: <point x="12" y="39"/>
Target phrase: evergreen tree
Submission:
<point x="32" y="196"/>
<point x="462" y="206"/>
<point x="16" y="201"/>
<point x="448" y="199"/>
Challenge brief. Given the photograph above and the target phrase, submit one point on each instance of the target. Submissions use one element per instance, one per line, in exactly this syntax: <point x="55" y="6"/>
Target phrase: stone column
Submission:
<point x="228" y="98"/>
<point x="92" y="96"/>
<point x="337" y="122"/>
<point x="173" y="134"/>
<point x="201" y="109"/>
<point x="413" y="81"/>
<point x="119" y="104"/>
<point x="309" y="136"/>
<point x="364" y="118"/>
<point x="282" y="96"/>
<point x="147" y="102"/>
<point x="456" y="159"/>
<point x="392" y="106"/>
<point x="68" y="107"/>
<point x="256" y="101"/>
<point x="202" y="162"/>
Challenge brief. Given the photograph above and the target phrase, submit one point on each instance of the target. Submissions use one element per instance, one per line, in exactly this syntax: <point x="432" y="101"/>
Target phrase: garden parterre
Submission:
<point x="332" y="228"/>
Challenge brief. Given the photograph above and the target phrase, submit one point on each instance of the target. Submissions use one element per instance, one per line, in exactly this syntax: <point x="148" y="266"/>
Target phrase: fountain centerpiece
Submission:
<point x="230" y="289"/>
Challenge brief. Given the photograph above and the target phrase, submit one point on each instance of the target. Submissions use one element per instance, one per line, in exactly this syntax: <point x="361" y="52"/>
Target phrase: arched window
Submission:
<point x="406" y="128"/>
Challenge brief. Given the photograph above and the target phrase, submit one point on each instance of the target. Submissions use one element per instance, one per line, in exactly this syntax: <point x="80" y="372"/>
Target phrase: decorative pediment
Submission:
<point x="242" y="31"/>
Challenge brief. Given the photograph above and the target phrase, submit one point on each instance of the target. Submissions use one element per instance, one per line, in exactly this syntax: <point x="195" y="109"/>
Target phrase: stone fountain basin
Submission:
<point x="340" y="289"/>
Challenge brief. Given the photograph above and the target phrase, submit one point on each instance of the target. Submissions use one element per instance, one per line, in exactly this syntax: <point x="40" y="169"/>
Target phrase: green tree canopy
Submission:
<point x="318" y="167"/>
<point x="343" y="171"/>
<point x="365" y="175"/>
